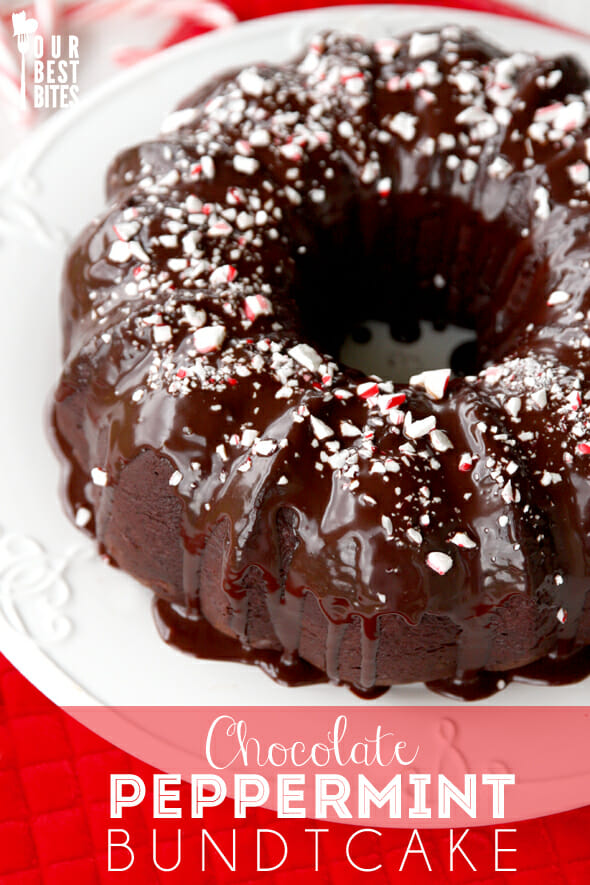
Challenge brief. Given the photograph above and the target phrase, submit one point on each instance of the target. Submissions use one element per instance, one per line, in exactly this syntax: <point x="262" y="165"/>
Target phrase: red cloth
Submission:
<point x="256" y="8"/>
<point x="54" y="777"/>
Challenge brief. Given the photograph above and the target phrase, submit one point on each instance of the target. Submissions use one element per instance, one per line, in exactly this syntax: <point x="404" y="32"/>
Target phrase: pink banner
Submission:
<point x="397" y="767"/>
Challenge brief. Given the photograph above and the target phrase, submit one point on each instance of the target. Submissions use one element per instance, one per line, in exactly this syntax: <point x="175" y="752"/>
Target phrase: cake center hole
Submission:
<point x="410" y="285"/>
<point x="371" y="348"/>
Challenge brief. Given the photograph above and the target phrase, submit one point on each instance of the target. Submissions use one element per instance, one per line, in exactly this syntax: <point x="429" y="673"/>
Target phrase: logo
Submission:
<point x="22" y="28"/>
<point x="55" y="64"/>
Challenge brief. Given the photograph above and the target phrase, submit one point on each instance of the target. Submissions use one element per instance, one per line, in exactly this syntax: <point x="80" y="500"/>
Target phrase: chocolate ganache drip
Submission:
<point x="288" y="509"/>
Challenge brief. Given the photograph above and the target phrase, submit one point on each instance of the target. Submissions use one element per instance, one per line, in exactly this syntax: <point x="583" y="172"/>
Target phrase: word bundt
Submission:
<point x="222" y="455"/>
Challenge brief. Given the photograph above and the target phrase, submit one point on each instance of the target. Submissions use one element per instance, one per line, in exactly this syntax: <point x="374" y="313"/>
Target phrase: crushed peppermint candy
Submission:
<point x="120" y="251"/>
<point x="439" y="562"/>
<point x="440" y="441"/>
<point x="209" y="338"/>
<point x="83" y="517"/>
<point x="461" y="539"/>
<point x="223" y="274"/>
<point x="306" y="356"/>
<point x="415" y="536"/>
<point x="320" y="429"/>
<point x="404" y="125"/>
<point x="245" y="165"/>
<point x="264" y="447"/>
<point x="367" y="389"/>
<point x="419" y="428"/>
<point x="257" y="305"/>
<point x="99" y="476"/>
<point x="434" y="382"/>
<point x="162" y="333"/>
<point x="387" y="525"/>
<point x="513" y="406"/>
<point x="423" y="44"/>
<point x="558" y="297"/>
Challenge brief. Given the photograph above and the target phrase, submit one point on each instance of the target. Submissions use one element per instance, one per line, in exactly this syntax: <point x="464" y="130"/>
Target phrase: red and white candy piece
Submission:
<point x="264" y="447"/>
<point x="439" y="562"/>
<point x="384" y="187"/>
<point x="571" y="116"/>
<point x="583" y="448"/>
<point x="388" y="401"/>
<point x="161" y="333"/>
<point x="257" y="305"/>
<point x="320" y="429"/>
<point x="513" y="406"/>
<point x="465" y="462"/>
<point x="575" y="400"/>
<point x="209" y="338"/>
<point x="404" y="125"/>
<point x="539" y="398"/>
<point x="579" y="173"/>
<point x="292" y="152"/>
<point x="387" y="525"/>
<point x="461" y="539"/>
<point x="178" y="119"/>
<point x="440" y="441"/>
<point x="251" y="83"/>
<point x="419" y="428"/>
<point x="434" y="382"/>
<point x="245" y="165"/>
<point x="387" y="48"/>
<point x="120" y="251"/>
<point x="558" y="297"/>
<point x="223" y="274"/>
<point x="125" y="230"/>
<point x="306" y="356"/>
<point x="220" y="228"/>
<point x="83" y="516"/>
<point x="423" y="44"/>
<point x="350" y="430"/>
<point x="99" y="476"/>
<point x="195" y="318"/>
<point x="367" y="389"/>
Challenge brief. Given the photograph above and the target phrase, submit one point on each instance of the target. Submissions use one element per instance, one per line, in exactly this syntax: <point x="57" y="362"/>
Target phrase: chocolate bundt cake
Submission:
<point x="221" y="453"/>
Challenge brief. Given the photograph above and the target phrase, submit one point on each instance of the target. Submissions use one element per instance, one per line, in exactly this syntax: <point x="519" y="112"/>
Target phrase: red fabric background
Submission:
<point x="54" y="779"/>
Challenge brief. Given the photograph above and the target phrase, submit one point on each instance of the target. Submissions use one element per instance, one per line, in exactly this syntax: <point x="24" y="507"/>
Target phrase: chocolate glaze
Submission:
<point x="198" y="638"/>
<point x="550" y="670"/>
<point x="383" y="534"/>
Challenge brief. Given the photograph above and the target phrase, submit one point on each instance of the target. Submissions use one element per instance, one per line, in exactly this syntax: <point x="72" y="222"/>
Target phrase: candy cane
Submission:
<point x="206" y="14"/>
<point x="201" y="11"/>
<point x="46" y="14"/>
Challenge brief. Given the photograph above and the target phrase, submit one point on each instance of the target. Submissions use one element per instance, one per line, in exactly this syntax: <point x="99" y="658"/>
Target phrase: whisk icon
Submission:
<point x="23" y="27"/>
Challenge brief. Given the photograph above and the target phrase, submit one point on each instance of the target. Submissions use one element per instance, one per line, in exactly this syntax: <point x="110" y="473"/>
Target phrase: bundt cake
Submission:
<point x="283" y="505"/>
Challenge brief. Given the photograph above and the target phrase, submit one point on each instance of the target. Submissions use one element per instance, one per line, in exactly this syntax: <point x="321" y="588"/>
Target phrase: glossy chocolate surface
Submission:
<point x="220" y="453"/>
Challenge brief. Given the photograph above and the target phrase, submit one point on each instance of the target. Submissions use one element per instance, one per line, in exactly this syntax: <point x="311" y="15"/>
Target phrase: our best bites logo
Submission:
<point x="55" y="62"/>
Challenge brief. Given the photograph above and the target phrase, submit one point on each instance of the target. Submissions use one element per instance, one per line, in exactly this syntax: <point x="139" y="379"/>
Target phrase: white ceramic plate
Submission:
<point x="81" y="631"/>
